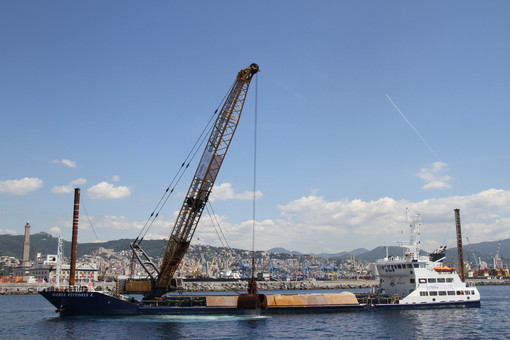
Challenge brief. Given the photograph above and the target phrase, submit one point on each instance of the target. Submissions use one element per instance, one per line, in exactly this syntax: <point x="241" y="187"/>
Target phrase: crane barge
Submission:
<point x="158" y="287"/>
<point x="160" y="280"/>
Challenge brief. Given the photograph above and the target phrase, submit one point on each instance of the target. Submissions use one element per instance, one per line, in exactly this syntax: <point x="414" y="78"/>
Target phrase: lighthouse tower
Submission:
<point x="26" y="247"/>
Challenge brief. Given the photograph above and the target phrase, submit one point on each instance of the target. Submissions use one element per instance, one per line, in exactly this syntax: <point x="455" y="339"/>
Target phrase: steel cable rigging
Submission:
<point x="180" y="173"/>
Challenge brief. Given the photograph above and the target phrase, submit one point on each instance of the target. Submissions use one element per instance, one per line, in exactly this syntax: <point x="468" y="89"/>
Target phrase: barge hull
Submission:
<point x="100" y="304"/>
<point x="89" y="303"/>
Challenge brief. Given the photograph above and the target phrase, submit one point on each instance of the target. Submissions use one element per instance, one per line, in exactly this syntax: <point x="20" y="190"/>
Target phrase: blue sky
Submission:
<point x="364" y="109"/>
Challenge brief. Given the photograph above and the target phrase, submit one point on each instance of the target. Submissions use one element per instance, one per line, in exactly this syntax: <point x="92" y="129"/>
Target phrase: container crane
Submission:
<point x="472" y="250"/>
<point x="161" y="280"/>
<point x="497" y="262"/>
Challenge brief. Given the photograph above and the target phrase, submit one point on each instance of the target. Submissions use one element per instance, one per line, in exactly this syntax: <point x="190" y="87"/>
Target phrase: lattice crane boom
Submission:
<point x="204" y="178"/>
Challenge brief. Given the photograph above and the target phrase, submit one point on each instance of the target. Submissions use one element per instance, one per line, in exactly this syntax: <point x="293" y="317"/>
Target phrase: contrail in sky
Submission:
<point x="412" y="127"/>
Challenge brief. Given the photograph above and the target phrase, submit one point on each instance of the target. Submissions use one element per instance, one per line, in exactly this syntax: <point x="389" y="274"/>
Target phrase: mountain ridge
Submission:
<point x="44" y="243"/>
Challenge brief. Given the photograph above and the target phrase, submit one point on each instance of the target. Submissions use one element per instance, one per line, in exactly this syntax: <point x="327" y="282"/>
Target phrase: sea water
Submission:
<point x="32" y="317"/>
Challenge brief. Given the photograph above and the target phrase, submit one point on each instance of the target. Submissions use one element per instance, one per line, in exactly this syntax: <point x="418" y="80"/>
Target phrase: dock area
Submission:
<point x="237" y="286"/>
<point x="217" y="286"/>
<point x="209" y="286"/>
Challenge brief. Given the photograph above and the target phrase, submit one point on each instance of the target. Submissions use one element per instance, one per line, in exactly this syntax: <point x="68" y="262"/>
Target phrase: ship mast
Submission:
<point x="413" y="248"/>
<point x="74" y="242"/>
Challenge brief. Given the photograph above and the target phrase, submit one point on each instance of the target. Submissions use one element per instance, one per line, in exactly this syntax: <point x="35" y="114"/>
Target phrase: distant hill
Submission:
<point x="44" y="243"/>
<point x="344" y="254"/>
<point x="354" y="252"/>
<point x="377" y="253"/>
<point x="484" y="250"/>
<point x="283" y="251"/>
<point x="12" y="245"/>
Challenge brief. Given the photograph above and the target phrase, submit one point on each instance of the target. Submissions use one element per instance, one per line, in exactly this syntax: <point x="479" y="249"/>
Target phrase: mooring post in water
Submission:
<point x="460" y="251"/>
<point x="74" y="243"/>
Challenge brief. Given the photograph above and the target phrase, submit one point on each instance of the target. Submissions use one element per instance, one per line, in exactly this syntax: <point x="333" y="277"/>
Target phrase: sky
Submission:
<point x="363" y="110"/>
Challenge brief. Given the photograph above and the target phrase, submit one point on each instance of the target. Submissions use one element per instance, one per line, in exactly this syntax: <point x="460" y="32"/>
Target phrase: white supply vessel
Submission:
<point x="412" y="280"/>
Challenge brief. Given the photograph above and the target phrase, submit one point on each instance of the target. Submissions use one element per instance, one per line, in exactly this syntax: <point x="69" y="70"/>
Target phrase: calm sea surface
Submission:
<point x="31" y="317"/>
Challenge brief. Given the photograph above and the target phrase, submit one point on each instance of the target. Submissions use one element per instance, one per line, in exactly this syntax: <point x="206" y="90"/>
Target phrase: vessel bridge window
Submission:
<point x="389" y="268"/>
<point x="409" y="265"/>
<point x="424" y="293"/>
<point x="451" y="292"/>
<point x="442" y="293"/>
<point x="432" y="280"/>
<point x="449" y="279"/>
<point x="415" y="265"/>
<point x="433" y="293"/>
<point x="422" y="280"/>
<point x="441" y="280"/>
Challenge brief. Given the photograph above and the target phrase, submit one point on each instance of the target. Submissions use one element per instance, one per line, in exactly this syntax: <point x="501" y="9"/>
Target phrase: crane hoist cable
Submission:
<point x="180" y="172"/>
<point x="217" y="226"/>
<point x="255" y="130"/>
<point x="88" y="218"/>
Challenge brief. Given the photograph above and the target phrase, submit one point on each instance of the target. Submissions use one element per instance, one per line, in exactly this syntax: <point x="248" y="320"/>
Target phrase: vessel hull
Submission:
<point x="89" y="303"/>
<point x="100" y="304"/>
<point x="456" y="304"/>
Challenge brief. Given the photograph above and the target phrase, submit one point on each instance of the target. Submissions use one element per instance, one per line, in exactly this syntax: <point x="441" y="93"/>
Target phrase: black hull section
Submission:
<point x="89" y="303"/>
<point x="99" y="304"/>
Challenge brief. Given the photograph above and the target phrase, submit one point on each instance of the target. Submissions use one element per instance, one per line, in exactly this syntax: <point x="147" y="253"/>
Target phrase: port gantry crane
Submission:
<point x="161" y="280"/>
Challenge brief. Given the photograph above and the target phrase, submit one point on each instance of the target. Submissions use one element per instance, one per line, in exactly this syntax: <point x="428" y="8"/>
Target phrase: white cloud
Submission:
<point x="239" y="235"/>
<point x="314" y="224"/>
<point x="67" y="189"/>
<point x="153" y="236"/>
<point x="79" y="181"/>
<point x="106" y="190"/>
<point x="66" y="162"/>
<point x="130" y="228"/>
<point x="344" y="225"/>
<point x="225" y="191"/>
<point x="434" y="177"/>
<point x="8" y="231"/>
<point x="115" y="222"/>
<point x="64" y="189"/>
<point x="21" y="186"/>
<point x="56" y="230"/>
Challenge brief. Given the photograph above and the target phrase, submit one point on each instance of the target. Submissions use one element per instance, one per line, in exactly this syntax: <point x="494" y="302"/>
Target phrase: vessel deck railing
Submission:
<point x="73" y="289"/>
<point x="377" y="299"/>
